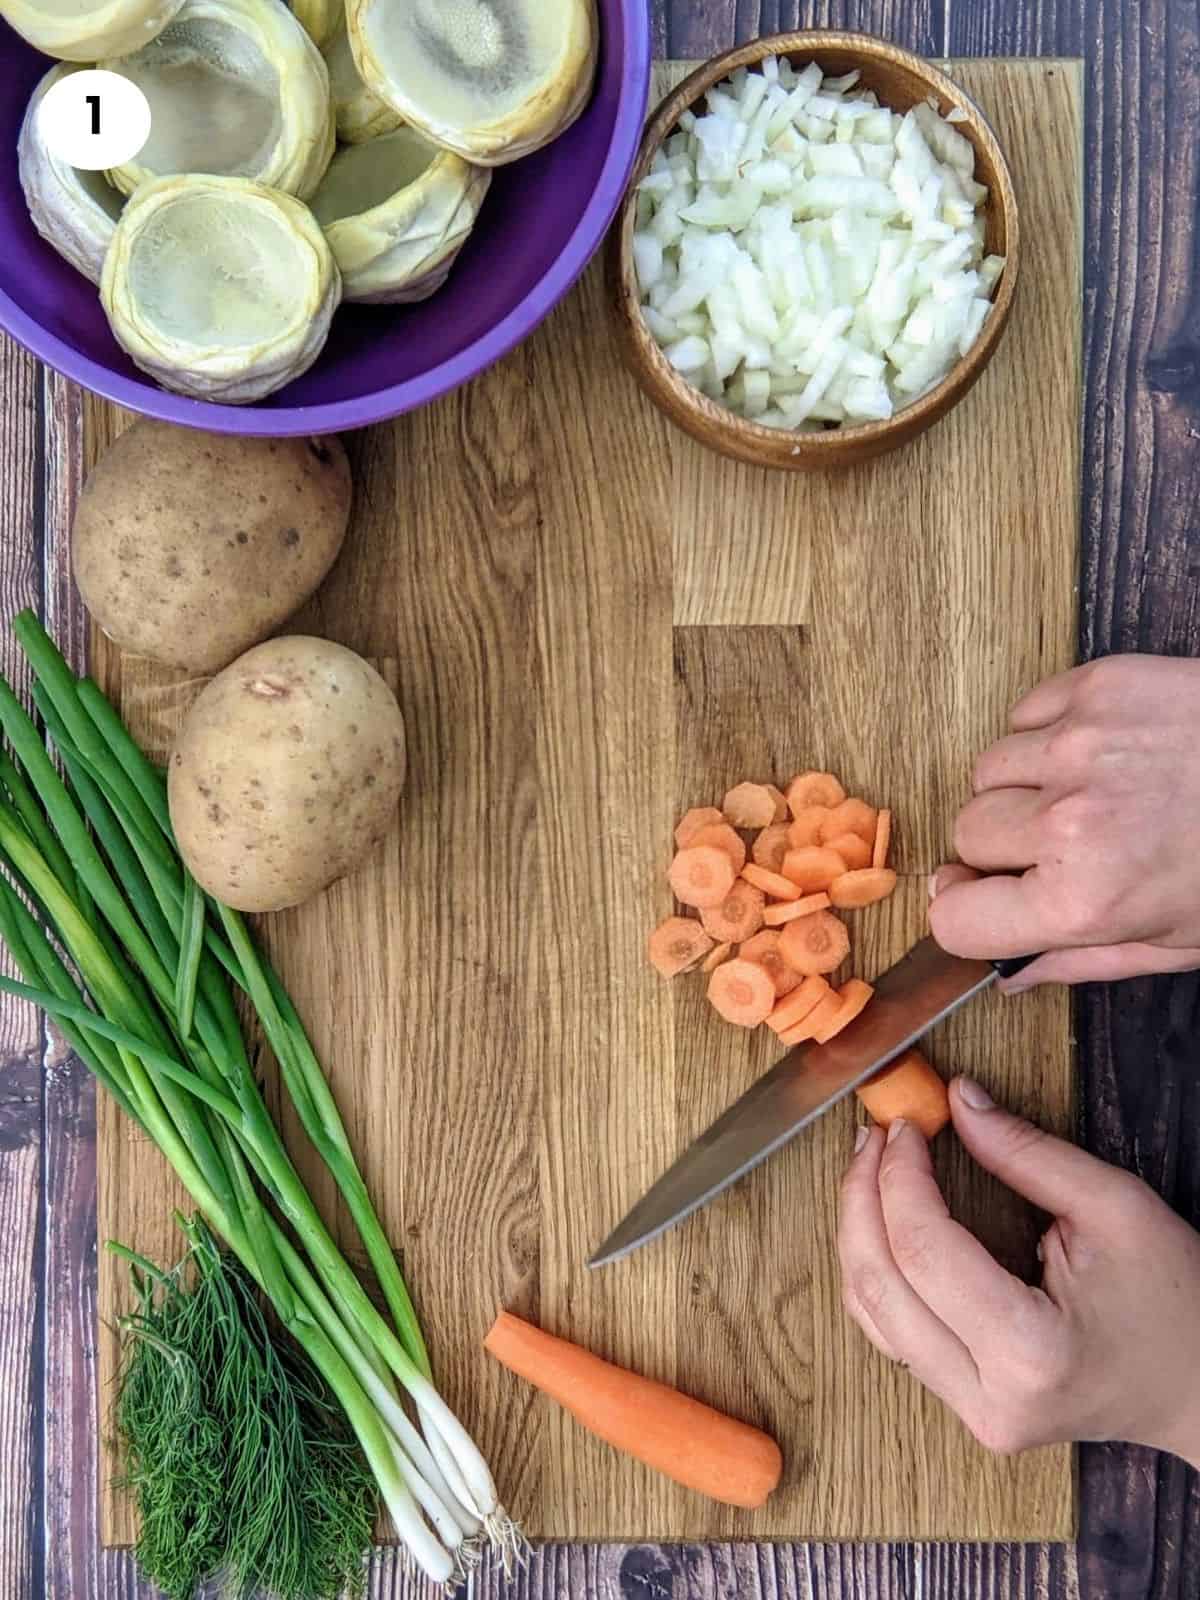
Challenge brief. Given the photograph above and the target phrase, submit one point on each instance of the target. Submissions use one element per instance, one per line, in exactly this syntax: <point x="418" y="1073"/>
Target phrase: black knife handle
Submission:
<point x="1009" y="969"/>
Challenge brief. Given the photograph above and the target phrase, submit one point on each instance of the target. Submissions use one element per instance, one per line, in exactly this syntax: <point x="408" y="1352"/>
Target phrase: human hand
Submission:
<point x="1094" y="800"/>
<point x="1104" y="1349"/>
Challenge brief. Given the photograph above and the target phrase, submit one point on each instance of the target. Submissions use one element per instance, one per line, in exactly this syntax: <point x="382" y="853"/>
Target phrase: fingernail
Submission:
<point x="975" y="1095"/>
<point x="861" y="1134"/>
<point x="932" y="885"/>
<point x="896" y="1129"/>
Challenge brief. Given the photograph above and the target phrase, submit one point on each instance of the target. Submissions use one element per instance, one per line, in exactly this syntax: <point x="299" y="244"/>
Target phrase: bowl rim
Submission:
<point x="337" y="416"/>
<point x="750" y="440"/>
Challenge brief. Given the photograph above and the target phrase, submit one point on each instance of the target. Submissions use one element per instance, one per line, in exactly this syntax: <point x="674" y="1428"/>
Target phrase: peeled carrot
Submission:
<point x="908" y="1089"/>
<point x="742" y="992"/>
<point x="813" y="868"/>
<point x="701" y="876"/>
<point x="715" y="956"/>
<point x="815" y="944"/>
<point x="698" y="1447"/>
<point x="676" y="945"/>
<point x="821" y="1014"/>
<point x="852" y="816"/>
<point x="863" y="888"/>
<point x="764" y="949"/>
<point x="854" y="851"/>
<point x="796" y="1007"/>
<point x="772" y="883"/>
<point x="697" y="817"/>
<point x="855" y="997"/>
<point x="721" y="837"/>
<point x="750" y="805"/>
<point x="814" y="789"/>
<point x="739" y="915"/>
<point x="769" y="849"/>
<point x="777" y="916"/>
<point x="883" y="840"/>
<point x="806" y="828"/>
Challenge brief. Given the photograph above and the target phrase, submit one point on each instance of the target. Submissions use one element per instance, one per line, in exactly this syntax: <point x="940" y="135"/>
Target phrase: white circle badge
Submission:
<point x="94" y="120"/>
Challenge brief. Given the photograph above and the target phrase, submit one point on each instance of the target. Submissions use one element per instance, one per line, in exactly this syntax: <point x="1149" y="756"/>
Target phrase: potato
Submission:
<point x="286" y="772"/>
<point x="191" y="547"/>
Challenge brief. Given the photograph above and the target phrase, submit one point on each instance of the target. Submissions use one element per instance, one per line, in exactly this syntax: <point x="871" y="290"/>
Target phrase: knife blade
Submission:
<point x="910" y="998"/>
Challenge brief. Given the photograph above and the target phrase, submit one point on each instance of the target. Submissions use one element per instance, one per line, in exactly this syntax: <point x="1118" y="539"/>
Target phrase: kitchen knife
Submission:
<point x="910" y="998"/>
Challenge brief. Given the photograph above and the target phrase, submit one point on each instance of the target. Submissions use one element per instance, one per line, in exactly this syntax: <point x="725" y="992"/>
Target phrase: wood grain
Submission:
<point x="526" y="578"/>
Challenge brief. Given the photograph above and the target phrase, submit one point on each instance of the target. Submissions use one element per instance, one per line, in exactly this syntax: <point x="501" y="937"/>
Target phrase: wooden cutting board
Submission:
<point x="593" y="624"/>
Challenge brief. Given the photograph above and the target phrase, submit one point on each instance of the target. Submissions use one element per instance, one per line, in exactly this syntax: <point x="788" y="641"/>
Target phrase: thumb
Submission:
<point x="1056" y="1176"/>
<point x="1102" y="963"/>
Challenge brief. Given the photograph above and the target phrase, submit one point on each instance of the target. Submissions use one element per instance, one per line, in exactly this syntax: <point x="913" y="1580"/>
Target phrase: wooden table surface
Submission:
<point x="1139" y="1042"/>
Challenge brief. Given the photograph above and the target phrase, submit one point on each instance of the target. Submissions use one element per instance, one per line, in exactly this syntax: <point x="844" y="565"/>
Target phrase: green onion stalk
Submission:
<point x="114" y="938"/>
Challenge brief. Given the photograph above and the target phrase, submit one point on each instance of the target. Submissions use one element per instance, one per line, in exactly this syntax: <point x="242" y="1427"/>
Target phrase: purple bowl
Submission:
<point x="543" y="220"/>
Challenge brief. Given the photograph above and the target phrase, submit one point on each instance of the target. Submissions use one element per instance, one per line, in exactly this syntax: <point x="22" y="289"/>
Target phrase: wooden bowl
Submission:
<point x="900" y="80"/>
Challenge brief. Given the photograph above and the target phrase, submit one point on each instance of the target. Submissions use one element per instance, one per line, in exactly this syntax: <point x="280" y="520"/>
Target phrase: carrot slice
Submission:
<point x="721" y="837"/>
<point x="813" y="868"/>
<point x="769" y="849"/>
<point x="742" y="992"/>
<point x="806" y="829"/>
<point x="777" y="916"/>
<point x="764" y="948"/>
<point x="862" y="888"/>
<point x="883" y="840"/>
<point x="781" y="805"/>
<point x="750" y="805"/>
<point x="854" y="996"/>
<point x="818" y="1017"/>
<point x="697" y="817"/>
<point x="738" y="916"/>
<point x="772" y="883"/>
<point x="815" y="944"/>
<point x="854" y="851"/>
<point x="852" y="816"/>
<point x="676" y="945"/>
<point x="796" y="1007"/>
<point x="796" y="1034"/>
<point x="909" y="1088"/>
<point x="690" y="1442"/>
<point x="814" y="789"/>
<point x="715" y="956"/>
<point x="701" y="876"/>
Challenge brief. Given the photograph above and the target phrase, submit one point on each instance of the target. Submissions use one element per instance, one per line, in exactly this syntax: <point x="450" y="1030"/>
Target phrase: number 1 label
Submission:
<point x="94" y="120"/>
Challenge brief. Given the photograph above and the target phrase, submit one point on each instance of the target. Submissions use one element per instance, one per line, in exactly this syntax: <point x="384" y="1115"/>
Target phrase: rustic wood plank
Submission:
<point x="698" y="31"/>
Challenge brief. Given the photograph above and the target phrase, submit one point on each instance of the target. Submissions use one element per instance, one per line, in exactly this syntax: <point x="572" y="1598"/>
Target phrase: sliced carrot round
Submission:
<point x="813" y="868"/>
<point x="852" y="816"/>
<point x="855" y="996"/>
<point x="854" y="851"/>
<point x="697" y="817"/>
<point x="742" y="992"/>
<point x="910" y="1089"/>
<point x="772" y="883"/>
<point x="883" y="840"/>
<point x="816" y="1020"/>
<point x="769" y="849"/>
<point x="781" y="806"/>
<point x="815" y="944"/>
<point x="794" y="1008"/>
<point x="863" y="888"/>
<point x="814" y="789"/>
<point x="701" y="876"/>
<point x="721" y="837"/>
<point x="806" y="828"/>
<point x="750" y="805"/>
<point x="738" y="917"/>
<point x="715" y="956"/>
<point x="777" y="916"/>
<point x="764" y="948"/>
<point x="676" y="945"/>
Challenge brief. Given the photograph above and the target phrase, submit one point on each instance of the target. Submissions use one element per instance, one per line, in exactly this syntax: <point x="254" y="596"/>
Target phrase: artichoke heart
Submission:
<point x="396" y="212"/>
<point x="85" y="30"/>
<point x="319" y="18"/>
<point x="74" y="211"/>
<point x="359" y="114"/>
<point x="489" y="79"/>
<point x="236" y="88"/>
<point x="219" y="287"/>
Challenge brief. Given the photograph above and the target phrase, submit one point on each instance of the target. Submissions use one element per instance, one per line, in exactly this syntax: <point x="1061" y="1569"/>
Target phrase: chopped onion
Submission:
<point x="808" y="257"/>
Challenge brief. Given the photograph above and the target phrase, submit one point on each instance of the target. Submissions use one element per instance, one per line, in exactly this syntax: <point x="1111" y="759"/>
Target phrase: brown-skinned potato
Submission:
<point x="190" y="547"/>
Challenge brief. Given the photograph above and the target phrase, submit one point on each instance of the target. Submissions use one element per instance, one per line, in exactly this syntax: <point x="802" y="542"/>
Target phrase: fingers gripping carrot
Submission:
<point x="910" y="1089"/>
